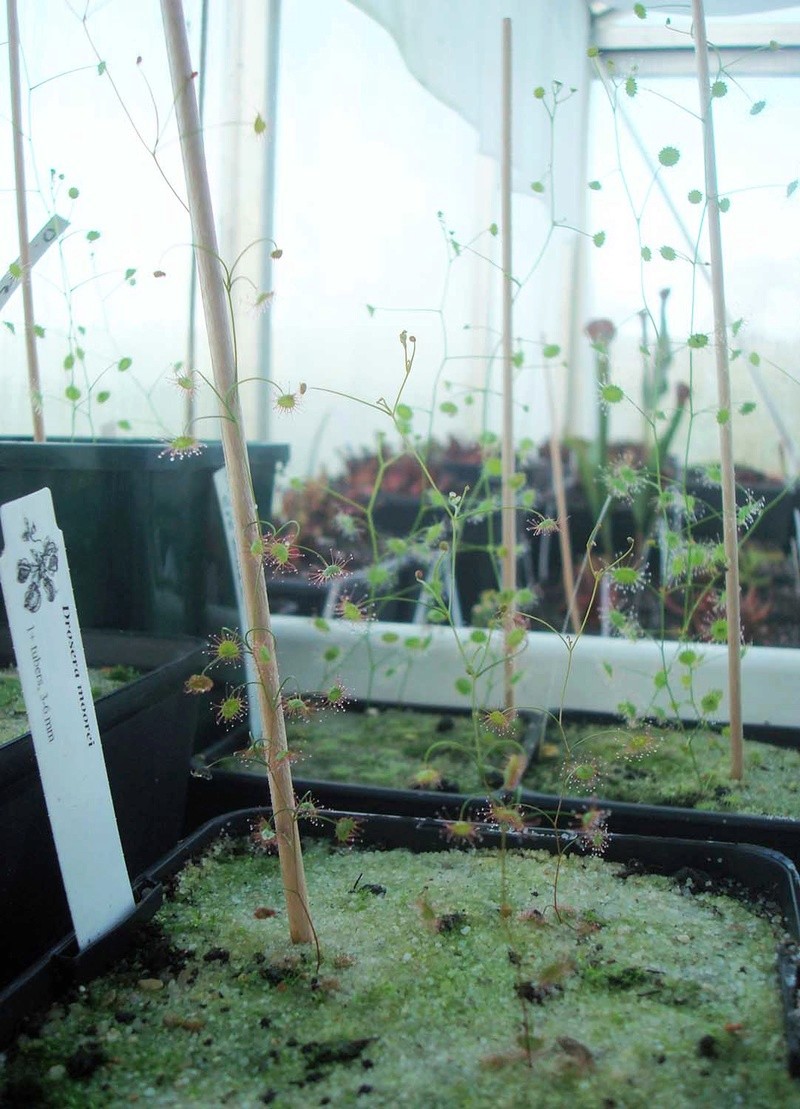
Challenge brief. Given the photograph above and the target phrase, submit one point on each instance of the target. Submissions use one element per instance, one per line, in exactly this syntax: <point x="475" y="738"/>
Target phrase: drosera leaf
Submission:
<point x="631" y="86"/>
<point x="711" y="701"/>
<point x="719" y="89"/>
<point x="668" y="253"/>
<point x="259" y="125"/>
<point x="551" y="350"/>
<point x="599" y="238"/>
<point x="695" y="196"/>
<point x="698" y="341"/>
<point x="611" y="394"/>
<point x="669" y="156"/>
<point x="124" y="364"/>
<point x="758" y="107"/>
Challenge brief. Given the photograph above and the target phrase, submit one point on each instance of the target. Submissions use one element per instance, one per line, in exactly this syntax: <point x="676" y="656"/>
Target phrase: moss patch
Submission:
<point x="667" y="767"/>
<point x="400" y="748"/>
<point x="652" y="766"/>
<point x="642" y="994"/>
<point x="13" y="715"/>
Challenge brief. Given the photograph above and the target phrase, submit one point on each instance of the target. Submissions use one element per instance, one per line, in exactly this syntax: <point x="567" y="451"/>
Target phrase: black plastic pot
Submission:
<point x="216" y="789"/>
<point x="546" y="549"/>
<point x="631" y="818"/>
<point x="144" y="534"/>
<point x="147" y="730"/>
<point x="774" y="525"/>
<point x="755" y="871"/>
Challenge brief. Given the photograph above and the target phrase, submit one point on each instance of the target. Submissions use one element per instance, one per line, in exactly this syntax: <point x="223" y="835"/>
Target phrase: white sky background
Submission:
<point x="761" y="237"/>
<point x="757" y="158"/>
<point x="366" y="158"/>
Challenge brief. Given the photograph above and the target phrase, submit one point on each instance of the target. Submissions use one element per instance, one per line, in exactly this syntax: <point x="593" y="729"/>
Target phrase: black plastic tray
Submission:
<point x="216" y="789"/>
<point x="756" y="871"/>
<point x="632" y="818"/>
<point x="147" y="730"/>
<point x="144" y="534"/>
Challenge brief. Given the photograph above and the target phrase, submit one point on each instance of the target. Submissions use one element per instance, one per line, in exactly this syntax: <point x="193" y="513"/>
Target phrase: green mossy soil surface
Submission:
<point x="13" y="715"/>
<point x="651" y="766"/>
<point x="649" y="992"/>
<point x="689" y="769"/>
<point x="389" y="747"/>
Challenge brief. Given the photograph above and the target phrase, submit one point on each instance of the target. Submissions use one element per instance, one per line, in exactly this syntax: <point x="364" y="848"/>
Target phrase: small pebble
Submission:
<point x="152" y="985"/>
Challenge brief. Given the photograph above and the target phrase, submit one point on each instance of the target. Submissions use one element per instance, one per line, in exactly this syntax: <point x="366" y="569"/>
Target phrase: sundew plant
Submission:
<point x="449" y="509"/>
<point x="684" y="589"/>
<point x="459" y="516"/>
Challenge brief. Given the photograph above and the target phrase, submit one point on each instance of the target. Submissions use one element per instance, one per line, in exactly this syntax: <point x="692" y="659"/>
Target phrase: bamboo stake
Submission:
<point x="31" y="353"/>
<point x="723" y="395"/>
<point x="245" y="514"/>
<point x="509" y="575"/>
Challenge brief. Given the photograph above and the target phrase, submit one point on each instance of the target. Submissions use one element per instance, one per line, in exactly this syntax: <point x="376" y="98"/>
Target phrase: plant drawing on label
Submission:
<point x="37" y="570"/>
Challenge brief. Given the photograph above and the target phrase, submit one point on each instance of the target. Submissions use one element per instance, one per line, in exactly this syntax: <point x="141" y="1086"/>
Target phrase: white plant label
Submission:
<point x="250" y="672"/>
<point x="38" y="245"/>
<point x="55" y="684"/>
